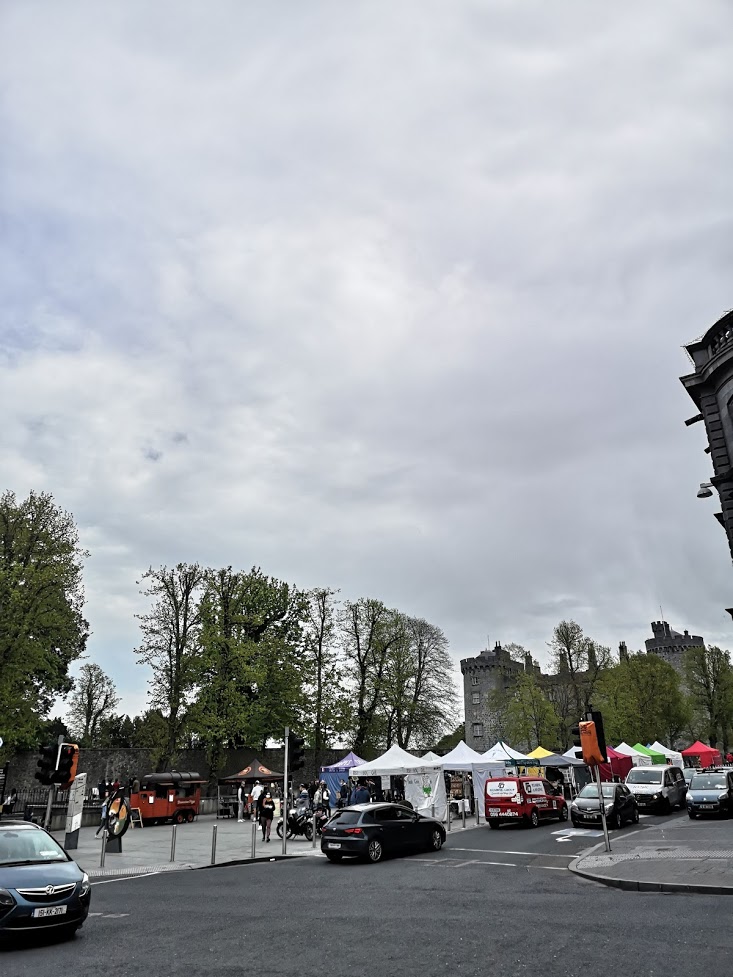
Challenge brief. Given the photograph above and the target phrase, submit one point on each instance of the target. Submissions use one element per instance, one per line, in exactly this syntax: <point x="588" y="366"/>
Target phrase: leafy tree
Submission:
<point x="250" y="668"/>
<point x="170" y="644"/>
<point x="151" y="731"/>
<point x="116" y="731"/>
<point x="709" y="679"/>
<point x="451" y="740"/>
<point x="368" y="630"/>
<point x="530" y="719"/>
<point x="94" y="696"/>
<point x="642" y="701"/>
<point x="327" y="703"/>
<point x="42" y="628"/>
<point x="578" y="663"/>
<point x="418" y="697"/>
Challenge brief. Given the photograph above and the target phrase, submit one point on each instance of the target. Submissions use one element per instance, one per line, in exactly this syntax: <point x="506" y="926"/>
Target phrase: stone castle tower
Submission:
<point x="671" y="645"/>
<point x="488" y="672"/>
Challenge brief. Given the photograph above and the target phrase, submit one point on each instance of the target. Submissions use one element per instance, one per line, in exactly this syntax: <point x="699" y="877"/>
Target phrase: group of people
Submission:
<point x="261" y="802"/>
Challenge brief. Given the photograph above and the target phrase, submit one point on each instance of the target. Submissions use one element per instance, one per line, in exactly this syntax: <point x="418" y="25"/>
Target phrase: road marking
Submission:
<point x="126" y="878"/>
<point x="110" y="915"/>
<point x="501" y="851"/>
<point x="480" y="861"/>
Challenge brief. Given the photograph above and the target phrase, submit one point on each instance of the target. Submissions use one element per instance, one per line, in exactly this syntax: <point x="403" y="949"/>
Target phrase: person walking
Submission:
<point x="267" y="813"/>
<point x="241" y="800"/>
<point x="254" y="798"/>
<point x="343" y="798"/>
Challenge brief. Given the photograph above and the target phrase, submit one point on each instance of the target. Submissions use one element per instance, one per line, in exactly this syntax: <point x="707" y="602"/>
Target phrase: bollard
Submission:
<point x="254" y="837"/>
<point x="448" y="823"/>
<point x="213" y="846"/>
<point x="432" y="810"/>
<point x="463" y="798"/>
<point x="313" y="839"/>
<point x="104" y="846"/>
<point x="173" y="843"/>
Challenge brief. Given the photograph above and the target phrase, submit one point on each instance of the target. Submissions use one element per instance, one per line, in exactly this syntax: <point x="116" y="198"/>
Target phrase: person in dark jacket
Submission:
<point x="360" y="795"/>
<point x="267" y="813"/>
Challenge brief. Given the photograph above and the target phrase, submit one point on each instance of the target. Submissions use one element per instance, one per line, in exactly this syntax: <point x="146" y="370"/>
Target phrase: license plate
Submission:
<point x="493" y="811"/>
<point x="49" y="911"/>
<point x="333" y="844"/>
<point x="708" y="807"/>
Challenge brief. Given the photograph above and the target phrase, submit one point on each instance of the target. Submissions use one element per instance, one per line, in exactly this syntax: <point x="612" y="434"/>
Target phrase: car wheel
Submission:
<point x="493" y="823"/>
<point x="334" y="858"/>
<point x="375" y="852"/>
<point x="692" y="815"/>
<point x="436" y="840"/>
<point x="69" y="932"/>
<point x="635" y="816"/>
<point x="563" y="814"/>
<point x="534" y="819"/>
<point x="614" y="822"/>
<point x="576" y="824"/>
<point x="666" y="806"/>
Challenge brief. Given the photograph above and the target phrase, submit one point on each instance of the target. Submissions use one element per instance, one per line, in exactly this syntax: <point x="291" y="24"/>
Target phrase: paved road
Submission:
<point x="454" y="912"/>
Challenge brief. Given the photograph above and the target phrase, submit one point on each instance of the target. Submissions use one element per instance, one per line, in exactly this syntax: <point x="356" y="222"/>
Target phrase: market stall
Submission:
<point x="638" y="759"/>
<point x="227" y="787"/>
<point x="706" y="756"/>
<point x="424" y="783"/>
<point x="334" y="773"/>
<point x="656" y="757"/>
<point x="672" y="756"/>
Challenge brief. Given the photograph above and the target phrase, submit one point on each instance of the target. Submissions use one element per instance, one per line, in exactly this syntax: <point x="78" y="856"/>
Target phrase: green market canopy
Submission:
<point x="647" y="751"/>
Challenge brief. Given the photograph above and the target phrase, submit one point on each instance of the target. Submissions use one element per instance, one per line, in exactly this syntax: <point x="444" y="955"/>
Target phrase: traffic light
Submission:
<point x="47" y="765"/>
<point x="600" y="734"/>
<point x="575" y="733"/>
<point x="296" y="751"/>
<point x="68" y="762"/>
<point x="591" y="750"/>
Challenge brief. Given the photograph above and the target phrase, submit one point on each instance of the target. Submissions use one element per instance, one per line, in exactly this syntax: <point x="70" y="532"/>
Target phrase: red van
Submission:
<point x="526" y="799"/>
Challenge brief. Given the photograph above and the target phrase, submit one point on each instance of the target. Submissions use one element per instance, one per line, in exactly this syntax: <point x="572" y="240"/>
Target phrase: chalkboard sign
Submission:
<point x="136" y="820"/>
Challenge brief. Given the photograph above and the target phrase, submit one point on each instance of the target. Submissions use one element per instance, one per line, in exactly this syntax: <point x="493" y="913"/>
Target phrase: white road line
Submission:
<point x="127" y="878"/>
<point x="480" y="861"/>
<point x="501" y="851"/>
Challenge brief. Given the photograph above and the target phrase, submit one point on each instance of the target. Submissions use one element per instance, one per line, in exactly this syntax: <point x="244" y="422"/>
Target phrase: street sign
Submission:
<point x="74" y="810"/>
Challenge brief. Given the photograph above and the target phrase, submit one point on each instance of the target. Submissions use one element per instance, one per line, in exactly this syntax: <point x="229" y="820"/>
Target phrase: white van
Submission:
<point x="658" y="787"/>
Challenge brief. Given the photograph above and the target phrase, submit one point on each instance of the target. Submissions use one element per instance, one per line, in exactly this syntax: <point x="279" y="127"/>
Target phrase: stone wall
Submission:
<point x="124" y="764"/>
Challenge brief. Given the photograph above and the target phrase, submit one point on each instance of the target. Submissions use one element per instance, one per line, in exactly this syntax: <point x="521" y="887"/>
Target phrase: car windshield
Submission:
<point x="28" y="845"/>
<point x="644" y="775"/>
<point x="591" y="790"/>
<point x="707" y="781"/>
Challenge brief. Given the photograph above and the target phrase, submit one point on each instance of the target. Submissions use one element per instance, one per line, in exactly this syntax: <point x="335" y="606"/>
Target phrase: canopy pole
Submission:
<point x="463" y="796"/>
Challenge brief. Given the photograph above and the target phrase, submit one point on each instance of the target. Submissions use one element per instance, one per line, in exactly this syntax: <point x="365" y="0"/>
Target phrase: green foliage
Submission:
<point x="42" y="629"/>
<point x="641" y="701"/>
<point x="530" y="718"/>
<point x="94" y="696"/>
<point x="170" y="644"/>
<point x="250" y="671"/>
<point x="451" y="740"/>
<point x="709" y="679"/>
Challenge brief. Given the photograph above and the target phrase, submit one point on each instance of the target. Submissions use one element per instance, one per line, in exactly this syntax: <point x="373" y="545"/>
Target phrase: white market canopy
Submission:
<point x="461" y="758"/>
<point x="673" y="755"/>
<point x="638" y="759"/>
<point x="396" y="762"/>
<point x="501" y="751"/>
<point x="430" y="757"/>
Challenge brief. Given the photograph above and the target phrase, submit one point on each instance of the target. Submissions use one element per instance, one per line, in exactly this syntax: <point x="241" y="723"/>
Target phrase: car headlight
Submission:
<point x="85" y="885"/>
<point x="655" y="797"/>
<point x="6" y="899"/>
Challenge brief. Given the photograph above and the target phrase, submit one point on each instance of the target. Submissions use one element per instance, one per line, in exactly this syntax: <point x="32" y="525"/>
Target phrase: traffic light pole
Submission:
<point x="602" y="807"/>
<point x="49" y="806"/>
<point x="284" y="801"/>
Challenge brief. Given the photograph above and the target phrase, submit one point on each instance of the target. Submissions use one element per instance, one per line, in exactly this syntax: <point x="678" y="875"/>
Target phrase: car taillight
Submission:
<point x="353" y="831"/>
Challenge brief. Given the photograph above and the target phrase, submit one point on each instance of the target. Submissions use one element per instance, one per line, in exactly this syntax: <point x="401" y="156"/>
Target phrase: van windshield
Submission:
<point x="645" y="775"/>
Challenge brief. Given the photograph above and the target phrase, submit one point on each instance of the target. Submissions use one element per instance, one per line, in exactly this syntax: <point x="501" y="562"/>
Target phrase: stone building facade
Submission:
<point x="489" y="672"/>
<point x="671" y="645"/>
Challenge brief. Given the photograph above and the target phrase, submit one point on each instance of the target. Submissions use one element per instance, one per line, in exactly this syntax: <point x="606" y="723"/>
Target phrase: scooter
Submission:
<point x="300" y="823"/>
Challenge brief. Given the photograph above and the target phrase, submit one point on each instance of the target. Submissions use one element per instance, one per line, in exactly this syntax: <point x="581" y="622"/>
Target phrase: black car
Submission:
<point x="618" y="801"/>
<point x="710" y="792"/>
<point x="374" y="830"/>
<point x="41" y="887"/>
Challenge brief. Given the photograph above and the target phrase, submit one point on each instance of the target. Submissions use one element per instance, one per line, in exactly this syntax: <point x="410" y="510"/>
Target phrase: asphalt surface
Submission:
<point x="492" y="902"/>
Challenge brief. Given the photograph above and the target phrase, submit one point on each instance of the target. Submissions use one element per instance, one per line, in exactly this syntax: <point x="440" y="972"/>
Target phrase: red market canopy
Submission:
<point x="618" y="765"/>
<point x="253" y="771"/>
<point x="708" y="755"/>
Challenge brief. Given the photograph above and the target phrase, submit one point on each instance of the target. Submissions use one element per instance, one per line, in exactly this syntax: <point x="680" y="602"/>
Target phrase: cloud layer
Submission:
<point x="387" y="299"/>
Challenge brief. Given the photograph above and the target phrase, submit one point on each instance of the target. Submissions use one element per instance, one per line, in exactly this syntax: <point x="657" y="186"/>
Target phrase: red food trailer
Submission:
<point x="169" y="796"/>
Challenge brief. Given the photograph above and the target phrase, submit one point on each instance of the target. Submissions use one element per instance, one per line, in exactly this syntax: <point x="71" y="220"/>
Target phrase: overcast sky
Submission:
<point x="387" y="297"/>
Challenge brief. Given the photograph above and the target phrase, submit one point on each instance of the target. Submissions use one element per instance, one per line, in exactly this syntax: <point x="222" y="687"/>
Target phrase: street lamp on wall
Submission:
<point x="705" y="491"/>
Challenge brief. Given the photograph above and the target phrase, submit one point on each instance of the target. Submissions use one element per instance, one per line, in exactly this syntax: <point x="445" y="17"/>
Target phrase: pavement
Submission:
<point x="148" y="850"/>
<point x="675" y="854"/>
